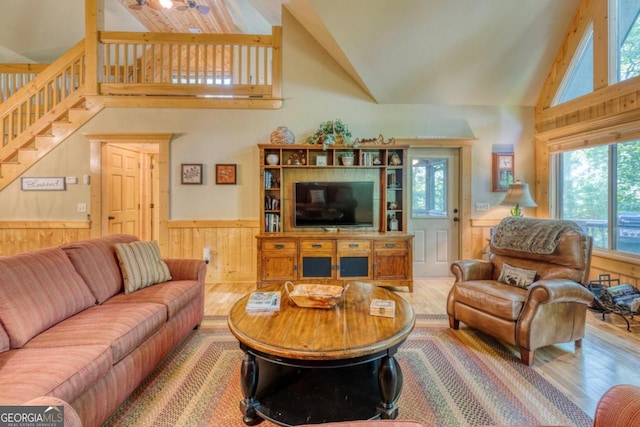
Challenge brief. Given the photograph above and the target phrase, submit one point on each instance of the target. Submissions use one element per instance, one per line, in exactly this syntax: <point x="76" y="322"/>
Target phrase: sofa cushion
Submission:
<point x="141" y="265"/>
<point x="175" y="295"/>
<point x="504" y="301"/>
<point x="63" y="372"/>
<point x="122" y="327"/>
<point x="37" y="290"/>
<point x="516" y="276"/>
<point x="97" y="263"/>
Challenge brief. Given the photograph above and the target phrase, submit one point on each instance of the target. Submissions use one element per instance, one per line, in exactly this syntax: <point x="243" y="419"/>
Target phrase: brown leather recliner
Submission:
<point x="550" y="310"/>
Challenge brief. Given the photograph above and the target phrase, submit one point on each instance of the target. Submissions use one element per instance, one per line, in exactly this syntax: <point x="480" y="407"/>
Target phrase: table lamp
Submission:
<point x="518" y="196"/>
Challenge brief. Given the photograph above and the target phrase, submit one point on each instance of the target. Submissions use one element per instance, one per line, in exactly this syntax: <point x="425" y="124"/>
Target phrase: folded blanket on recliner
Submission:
<point x="539" y="236"/>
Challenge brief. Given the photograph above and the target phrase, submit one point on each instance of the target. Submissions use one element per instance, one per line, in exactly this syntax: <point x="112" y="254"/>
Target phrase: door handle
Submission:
<point x="456" y="219"/>
<point x="111" y="217"/>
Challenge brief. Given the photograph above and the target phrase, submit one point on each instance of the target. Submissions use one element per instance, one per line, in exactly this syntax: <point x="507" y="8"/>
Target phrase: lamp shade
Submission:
<point x="518" y="194"/>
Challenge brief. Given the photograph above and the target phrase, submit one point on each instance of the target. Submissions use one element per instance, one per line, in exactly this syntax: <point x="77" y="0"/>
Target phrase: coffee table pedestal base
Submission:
<point x="289" y="394"/>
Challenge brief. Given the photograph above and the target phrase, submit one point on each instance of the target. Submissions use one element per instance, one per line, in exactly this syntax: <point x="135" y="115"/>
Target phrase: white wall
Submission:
<point x="315" y="89"/>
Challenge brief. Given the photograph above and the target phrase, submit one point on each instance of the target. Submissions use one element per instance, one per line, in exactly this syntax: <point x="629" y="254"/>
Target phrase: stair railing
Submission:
<point x="20" y="114"/>
<point x="15" y="76"/>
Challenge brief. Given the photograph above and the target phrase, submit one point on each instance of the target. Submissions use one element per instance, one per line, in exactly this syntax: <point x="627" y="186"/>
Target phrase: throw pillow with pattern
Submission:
<point x="516" y="276"/>
<point x="141" y="265"/>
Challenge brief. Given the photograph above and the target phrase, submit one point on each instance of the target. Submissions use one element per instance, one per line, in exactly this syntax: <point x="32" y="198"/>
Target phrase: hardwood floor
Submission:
<point x="609" y="354"/>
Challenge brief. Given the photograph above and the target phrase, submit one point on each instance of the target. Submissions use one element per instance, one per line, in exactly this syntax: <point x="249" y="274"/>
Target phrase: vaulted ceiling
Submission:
<point x="452" y="52"/>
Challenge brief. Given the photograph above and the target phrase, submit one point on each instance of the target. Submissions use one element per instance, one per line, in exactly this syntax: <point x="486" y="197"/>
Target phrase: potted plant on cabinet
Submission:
<point x="347" y="158"/>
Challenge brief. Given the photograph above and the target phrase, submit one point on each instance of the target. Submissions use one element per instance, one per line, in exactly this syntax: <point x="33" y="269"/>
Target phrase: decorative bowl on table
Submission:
<point x="315" y="295"/>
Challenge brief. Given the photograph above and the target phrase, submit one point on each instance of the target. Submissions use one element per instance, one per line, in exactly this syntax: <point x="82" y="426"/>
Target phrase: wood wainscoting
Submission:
<point x="22" y="236"/>
<point x="232" y="245"/>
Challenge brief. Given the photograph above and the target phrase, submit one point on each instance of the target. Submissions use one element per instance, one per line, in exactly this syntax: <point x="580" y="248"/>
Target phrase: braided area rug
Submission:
<point x="451" y="378"/>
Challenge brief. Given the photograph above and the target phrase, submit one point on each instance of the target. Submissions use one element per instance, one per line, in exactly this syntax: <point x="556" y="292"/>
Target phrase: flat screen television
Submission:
<point x="334" y="204"/>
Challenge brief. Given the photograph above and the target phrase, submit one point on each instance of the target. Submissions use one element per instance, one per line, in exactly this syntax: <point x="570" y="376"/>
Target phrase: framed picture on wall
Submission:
<point x="226" y="174"/>
<point x="191" y="173"/>
<point x="502" y="168"/>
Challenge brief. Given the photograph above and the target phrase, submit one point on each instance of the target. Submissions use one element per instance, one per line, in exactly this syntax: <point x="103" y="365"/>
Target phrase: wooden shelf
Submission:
<point x="388" y="160"/>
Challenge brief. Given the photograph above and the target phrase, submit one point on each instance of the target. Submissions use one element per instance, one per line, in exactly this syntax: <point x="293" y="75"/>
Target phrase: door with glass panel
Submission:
<point x="434" y="214"/>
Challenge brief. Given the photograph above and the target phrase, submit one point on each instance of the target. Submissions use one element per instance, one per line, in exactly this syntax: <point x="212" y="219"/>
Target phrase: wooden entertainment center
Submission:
<point x="380" y="253"/>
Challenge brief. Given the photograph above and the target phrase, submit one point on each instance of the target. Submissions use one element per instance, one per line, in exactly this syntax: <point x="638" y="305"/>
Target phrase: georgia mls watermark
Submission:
<point x="31" y="416"/>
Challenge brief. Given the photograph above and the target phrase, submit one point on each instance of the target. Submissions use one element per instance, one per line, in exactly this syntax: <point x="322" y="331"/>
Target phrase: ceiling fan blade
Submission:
<point x="202" y="9"/>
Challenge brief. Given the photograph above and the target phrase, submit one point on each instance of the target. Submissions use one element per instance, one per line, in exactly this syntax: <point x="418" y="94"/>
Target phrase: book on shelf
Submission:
<point x="264" y="301"/>
<point x="271" y="222"/>
<point x="382" y="307"/>
<point x="271" y="203"/>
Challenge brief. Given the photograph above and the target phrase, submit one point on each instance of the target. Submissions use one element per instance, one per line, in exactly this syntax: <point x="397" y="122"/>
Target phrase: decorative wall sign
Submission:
<point x="191" y="173"/>
<point x="226" y="174"/>
<point x="502" y="168"/>
<point x="43" y="183"/>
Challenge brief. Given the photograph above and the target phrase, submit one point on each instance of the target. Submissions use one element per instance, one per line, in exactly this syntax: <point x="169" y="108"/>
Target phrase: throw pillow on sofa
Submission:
<point x="141" y="265"/>
<point x="516" y="276"/>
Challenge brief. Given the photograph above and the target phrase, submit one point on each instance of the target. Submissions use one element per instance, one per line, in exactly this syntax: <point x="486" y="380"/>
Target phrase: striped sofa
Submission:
<point x="68" y="330"/>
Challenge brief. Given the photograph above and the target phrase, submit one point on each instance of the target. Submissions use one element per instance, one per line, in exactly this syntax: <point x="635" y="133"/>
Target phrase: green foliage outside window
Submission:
<point x="593" y="176"/>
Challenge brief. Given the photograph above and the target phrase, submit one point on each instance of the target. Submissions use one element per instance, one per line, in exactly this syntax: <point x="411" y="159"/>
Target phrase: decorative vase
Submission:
<point x="282" y="135"/>
<point x="347" y="160"/>
<point x="272" y="159"/>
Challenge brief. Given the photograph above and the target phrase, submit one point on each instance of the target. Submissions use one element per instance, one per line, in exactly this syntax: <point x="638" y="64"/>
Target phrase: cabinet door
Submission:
<point x="278" y="260"/>
<point x="391" y="260"/>
<point x="318" y="259"/>
<point x="354" y="259"/>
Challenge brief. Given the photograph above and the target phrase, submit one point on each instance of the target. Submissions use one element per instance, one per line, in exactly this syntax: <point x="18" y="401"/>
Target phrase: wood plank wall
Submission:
<point x="232" y="245"/>
<point x="22" y="236"/>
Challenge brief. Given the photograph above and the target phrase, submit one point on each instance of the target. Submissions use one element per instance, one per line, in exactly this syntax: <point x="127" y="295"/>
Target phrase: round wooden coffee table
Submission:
<point x="307" y="366"/>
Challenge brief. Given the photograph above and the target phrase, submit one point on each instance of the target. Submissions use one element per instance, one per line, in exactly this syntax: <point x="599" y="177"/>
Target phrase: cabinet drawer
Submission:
<point x="353" y="245"/>
<point x="278" y="244"/>
<point x="317" y="245"/>
<point x="390" y="244"/>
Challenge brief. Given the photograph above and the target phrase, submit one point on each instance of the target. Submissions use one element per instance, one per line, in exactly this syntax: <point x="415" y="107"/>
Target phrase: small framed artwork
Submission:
<point x="191" y="173"/>
<point x="321" y="160"/>
<point x="226" y="174"/>
<point x="502" y="171"/>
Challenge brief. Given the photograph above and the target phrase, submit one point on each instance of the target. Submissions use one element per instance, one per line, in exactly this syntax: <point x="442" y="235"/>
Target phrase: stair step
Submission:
<point x="10" y="171"/>
<point x="61" y="127"/>
<point x="46" y="142"/>
<point x="29" y="155"/>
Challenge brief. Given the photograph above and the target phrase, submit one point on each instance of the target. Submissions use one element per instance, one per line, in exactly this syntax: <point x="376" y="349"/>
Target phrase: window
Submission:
<point x="579" y="79"/>
<point x="625" y="39"/>
<point x="429" y="195"/>
<point x="599" y="187"/>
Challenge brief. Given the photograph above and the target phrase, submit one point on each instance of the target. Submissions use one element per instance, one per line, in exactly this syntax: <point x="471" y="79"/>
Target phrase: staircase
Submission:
<point x="42" y="114"/>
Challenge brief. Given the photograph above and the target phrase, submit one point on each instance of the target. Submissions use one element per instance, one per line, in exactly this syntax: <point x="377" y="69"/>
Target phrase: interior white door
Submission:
<point x="434" y="209"/>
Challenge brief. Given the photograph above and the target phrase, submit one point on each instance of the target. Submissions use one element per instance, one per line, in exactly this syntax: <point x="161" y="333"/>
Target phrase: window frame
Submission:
<point x="612" y="141"/>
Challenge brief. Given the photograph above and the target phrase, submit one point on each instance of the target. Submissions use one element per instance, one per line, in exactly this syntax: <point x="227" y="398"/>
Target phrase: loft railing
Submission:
<point x="192" y="65"/>
<point x="40" y="96"/>
<point x="15" y="76"/>
<point x="158" y="65"/>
